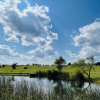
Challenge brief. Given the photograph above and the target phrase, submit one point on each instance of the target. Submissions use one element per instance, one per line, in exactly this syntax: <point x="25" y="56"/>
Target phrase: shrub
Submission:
<point x="78" y="77"/>
<point x="55" y="75"/>
<point x="52" y="75"/>
<point x="68" y="64"/>
<point x="75" y="64"/>
<point x="65" y="76"/>
<point x="49" y="73"/>
<point x="41" y="74"/>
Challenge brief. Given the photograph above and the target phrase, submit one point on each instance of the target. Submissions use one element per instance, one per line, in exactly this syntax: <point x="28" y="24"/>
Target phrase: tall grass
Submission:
<point x="25" y="91"/>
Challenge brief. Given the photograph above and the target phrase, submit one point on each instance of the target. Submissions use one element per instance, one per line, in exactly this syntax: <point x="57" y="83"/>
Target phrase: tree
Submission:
<point x="59" y="63"/>
<point x="69" y="64"/>
<point x="81" y="63"/>
<point x="97" y="64"/>
<point x="14" y="65"/>
<point x="89" y="65"/>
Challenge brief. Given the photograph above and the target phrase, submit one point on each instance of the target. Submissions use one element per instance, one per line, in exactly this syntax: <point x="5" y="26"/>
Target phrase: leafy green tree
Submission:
<point x="14" y="65"/>
<point x="81" y="63"/>
<point x="86" y="67"/>
<point x="59" y="63"/>
<point x="69" y="64"/>
<point x="90" y="64"/>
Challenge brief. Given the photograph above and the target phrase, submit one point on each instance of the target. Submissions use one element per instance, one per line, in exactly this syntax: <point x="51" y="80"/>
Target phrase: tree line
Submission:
<point x="86" y="65"/>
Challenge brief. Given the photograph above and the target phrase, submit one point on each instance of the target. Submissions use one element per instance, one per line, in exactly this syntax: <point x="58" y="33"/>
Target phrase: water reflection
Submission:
<point x="58" y="90"/>
<point x="46" y="83"/>
<point x="57" y="86"/>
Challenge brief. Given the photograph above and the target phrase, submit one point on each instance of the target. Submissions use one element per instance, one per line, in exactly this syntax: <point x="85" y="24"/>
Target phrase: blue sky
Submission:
<point x="39" y="31"/>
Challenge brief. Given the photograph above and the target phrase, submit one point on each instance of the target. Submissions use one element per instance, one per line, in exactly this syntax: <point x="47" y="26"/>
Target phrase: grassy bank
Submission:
<point x="95" y="74"/>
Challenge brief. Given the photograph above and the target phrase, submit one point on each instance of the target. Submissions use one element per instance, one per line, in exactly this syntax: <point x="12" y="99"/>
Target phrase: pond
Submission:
<point x="49" y="84"/>
<point x="44" y="88"/>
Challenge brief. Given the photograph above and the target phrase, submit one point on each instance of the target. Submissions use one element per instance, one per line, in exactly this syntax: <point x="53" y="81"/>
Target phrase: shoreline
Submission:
<point x="28" y="74"/>
<point x="15" y="74"/>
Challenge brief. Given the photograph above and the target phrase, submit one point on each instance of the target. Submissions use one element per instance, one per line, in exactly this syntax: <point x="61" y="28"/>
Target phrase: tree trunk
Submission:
<point x="89" y="72"/>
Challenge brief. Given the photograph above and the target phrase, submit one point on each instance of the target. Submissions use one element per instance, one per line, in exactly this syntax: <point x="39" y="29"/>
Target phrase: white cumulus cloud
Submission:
<point x="30" y="27"/>
<point x="31" y="24"/>
<point x="68" y="52"/>
<point x="41" y="52"/>
<point x="88" y="40"/>
<point x="9" y="56"/>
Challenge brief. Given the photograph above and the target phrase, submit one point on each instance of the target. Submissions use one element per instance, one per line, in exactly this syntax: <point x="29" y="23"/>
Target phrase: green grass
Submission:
<point x="30" y="69"/>
<point x="95" y="74"/>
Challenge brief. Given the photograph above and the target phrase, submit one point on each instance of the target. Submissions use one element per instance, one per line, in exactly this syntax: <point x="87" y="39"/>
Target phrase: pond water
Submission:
<point x="46" y="84"/>
<point x="26" y="88"/>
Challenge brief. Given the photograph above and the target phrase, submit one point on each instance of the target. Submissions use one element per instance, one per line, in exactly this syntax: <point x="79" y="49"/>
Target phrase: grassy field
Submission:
<point x="30" y="69"/>
<point x="95" y="74"/>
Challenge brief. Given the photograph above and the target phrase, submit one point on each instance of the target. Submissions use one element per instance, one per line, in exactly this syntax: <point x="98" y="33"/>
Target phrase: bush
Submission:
<point x="55" y="75"/>
<point x="41" y="74"/>
<point x="52" y="75"/>
<point x="65" y="76"/>
<point x="78" y="77"/>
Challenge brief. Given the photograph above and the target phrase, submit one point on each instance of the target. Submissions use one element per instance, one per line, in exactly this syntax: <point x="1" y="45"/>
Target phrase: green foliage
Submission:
<point x="73" y="74"/>
<point x="91" y="60"/>
<point x="81" y="63"/>
<point x="59" y="63"/>
<point x="30" y="69"/>
<point x="97" y="64"/>
<point x="41" y="74"/>
<point x="78" y="77"/>
<point x="52" y="75"/>
<point x="14" y="65"/>
<point x="75" y="64"/>
<point x="95" y="74"/>
<point x="69" y="64"/>
<point x="89" y="65"/>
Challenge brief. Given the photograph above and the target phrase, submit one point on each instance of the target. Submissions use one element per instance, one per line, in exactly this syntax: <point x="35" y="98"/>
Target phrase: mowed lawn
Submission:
<point x="95" y="74"/>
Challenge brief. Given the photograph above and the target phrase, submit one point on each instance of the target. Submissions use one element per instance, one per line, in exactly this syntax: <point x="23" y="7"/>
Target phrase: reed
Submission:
<point x="9" y="90"/>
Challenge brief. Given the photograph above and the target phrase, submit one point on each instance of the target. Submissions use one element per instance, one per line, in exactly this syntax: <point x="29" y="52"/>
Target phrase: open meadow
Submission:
<point x="95" y="74"/>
